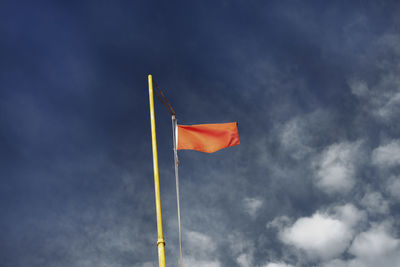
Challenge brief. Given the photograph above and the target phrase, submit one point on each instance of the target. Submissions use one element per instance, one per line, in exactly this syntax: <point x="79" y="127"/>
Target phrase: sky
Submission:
<point x="313" y="85"/>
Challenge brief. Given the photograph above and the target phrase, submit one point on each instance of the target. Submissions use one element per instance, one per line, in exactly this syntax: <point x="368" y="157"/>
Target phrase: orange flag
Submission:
<point x="207" y="138"/>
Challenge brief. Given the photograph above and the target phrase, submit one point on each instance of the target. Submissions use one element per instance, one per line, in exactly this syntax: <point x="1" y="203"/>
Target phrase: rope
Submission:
<point x="163" y="99"/>
<point x="174" y="129"/>
<point x="165" y="102"/>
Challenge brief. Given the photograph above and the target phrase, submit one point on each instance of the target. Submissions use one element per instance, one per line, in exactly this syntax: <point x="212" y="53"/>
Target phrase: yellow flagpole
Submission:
<point x="160" y="239"/>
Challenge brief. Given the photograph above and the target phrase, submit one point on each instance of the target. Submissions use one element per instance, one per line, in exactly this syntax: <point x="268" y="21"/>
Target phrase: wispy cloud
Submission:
<point x="336" y="167"/>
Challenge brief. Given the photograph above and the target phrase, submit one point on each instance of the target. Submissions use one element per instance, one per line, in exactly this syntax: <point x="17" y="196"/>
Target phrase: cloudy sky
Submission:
<point x="314" y="86"/>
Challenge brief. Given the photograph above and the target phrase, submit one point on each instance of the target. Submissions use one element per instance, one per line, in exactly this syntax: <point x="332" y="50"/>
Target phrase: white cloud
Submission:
<point x="388" y="256"/>
<point x="199" y="244"/>
<point x="199" y="250"/>
<point x="387" y="155"/>
<point x="375" y="203"/>
<point x="319" y="236"/>
<point x="323" y="236"/>
<point x="376" y="242"/>
<point x="252" y="206"/>
<point x="278" y="264"/>
<point x="336" y="167"/>
<point x="242" y="249"/>
<point x="299" y="136"/>
<point x="375" y="247"/>
<point x="279" y="222"/>
<point x="244" y="260"/>
<point x="349" y="214"/>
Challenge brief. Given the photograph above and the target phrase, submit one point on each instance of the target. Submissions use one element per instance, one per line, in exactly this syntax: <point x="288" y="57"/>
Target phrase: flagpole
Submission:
<point x="160" y="239"/>
<point x="176" y="161"/>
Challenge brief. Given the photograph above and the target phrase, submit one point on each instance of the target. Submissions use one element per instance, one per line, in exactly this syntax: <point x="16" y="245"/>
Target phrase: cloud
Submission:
<point x="375" y="203"/>
<point x="244" y="260"/>
<point x="359" y="88"/>
<point x="148" y="264"/>
<point x="335" y="263"/>
<point x="375" y="242"/>
<point x="387" y="155"/>
<point x="380" y="101"/>
<point x="252" y="206"/>
<point x="319" y="235"/>
<point x="199" y="250"/>
<point x="323" y="235"/>
<point x="200" y="263"/>
<point x="336" y="167"/>
<point x="380" y="97"/>
<point x="393" y="187"/>
<point x="277" y="264"/>
<point x="242" y="249"/>
<point x="374" y="247"/>
<point x="301" y="135"/>
<point x="198" y="245"/>
<point x="279" y="222"/>
<point x="349" y="214"/>
<point x="294" y="138"/>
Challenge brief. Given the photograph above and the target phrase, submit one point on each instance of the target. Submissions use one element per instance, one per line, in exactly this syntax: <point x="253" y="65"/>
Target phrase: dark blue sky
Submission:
<point x="314" y="86"/>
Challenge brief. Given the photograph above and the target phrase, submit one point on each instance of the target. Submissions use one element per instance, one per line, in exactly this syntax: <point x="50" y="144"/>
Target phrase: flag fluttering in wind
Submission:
<point x="207" y="138"/>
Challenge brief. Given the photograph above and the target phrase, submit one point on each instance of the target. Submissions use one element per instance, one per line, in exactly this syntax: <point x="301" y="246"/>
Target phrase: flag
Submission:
<point x="207" y="138"/>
